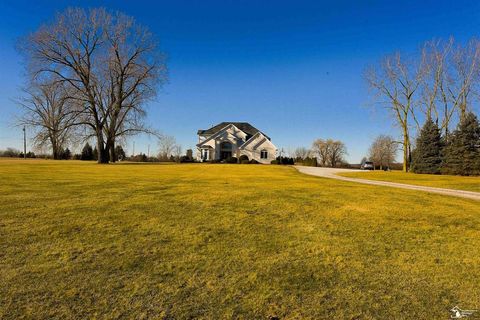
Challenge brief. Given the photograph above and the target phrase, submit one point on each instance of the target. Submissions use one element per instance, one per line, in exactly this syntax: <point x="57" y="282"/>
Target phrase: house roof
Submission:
<point x="244" y="126"/>
<point x="232" y="124"/>
<point x="249" y="141"/>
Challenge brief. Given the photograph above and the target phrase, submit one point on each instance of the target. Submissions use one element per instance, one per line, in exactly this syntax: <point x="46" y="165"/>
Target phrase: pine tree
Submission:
<point x="462" y="154"/>
<point x="87" y="152"/>
<point x="427" y="156"/>
<point x="119" y="153"/>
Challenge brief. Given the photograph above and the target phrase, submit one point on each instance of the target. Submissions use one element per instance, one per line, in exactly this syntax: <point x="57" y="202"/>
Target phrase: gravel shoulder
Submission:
<point x="332" y="173"/>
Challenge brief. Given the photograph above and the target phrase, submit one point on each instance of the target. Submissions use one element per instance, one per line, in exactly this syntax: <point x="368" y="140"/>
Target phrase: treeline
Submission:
<point x="89" y="75"/>
<point x="14" y="153"/>
<point x="323" y="153"/>
<point x="439" y="84"/>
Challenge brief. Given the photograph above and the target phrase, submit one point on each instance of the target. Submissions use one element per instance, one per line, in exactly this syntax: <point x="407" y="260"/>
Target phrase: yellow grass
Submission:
<point x="429" y="180"/>
<point x="80" y="240"/>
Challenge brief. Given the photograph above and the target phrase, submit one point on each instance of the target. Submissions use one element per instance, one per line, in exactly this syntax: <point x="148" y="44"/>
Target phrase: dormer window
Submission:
<point x="263" y="154"/>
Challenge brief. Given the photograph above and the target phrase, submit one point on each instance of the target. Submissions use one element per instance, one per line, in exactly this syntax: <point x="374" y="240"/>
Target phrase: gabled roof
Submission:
<point x="244" y="126"/>
<point x="249" y="141"/>
<point x="217" y="133"/>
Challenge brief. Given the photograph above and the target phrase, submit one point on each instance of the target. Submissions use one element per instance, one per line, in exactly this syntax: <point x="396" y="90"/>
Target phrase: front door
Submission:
<point x="225" y="150"/>
<point x="225" y="155"/>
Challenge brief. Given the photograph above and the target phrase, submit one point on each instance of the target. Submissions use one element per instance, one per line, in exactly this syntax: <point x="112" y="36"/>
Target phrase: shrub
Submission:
<point x="242" y="158"/>
<point x="244" y="161"/>
<point x="185" y="159"/>
<point x="231" y="160"/>
<point x="30" y="154"/>
<point x="139" y="158"/>
<point x="283" y="160"/>
<point x="253" y="161"/>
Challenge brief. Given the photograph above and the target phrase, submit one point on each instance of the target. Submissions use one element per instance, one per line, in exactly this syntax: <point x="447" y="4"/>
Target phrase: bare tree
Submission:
<point x="167" y="145"/>
<point x="337" y="152"/>
<point x="48" y="108"/>
<point x="396" y="83"/>
<point x="321" y="148"/>
<point x="177" y="152"/>
<point x="434" y="68"/>
<point x="383" y="150"/>
<point x="330" y="152"/>
<point x="301" y="153"/>
<point x="108" y="60"/>
<point x="451" y="76"/>
<point x="135" y="69"/>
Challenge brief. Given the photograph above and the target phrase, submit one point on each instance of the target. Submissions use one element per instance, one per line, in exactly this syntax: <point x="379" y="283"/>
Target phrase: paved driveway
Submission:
<point x="332" y="173"/>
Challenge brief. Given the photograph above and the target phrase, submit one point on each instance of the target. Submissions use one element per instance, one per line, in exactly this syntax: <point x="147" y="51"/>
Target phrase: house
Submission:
<point x="234" y="139"/>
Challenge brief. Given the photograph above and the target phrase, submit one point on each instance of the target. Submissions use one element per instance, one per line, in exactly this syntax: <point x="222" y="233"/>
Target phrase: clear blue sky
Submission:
<point x="291" y="68"/>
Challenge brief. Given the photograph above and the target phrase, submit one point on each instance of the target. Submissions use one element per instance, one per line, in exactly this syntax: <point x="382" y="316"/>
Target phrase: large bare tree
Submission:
<point x="450" y="79"/>
<point x="135" y="69"/>
<point x="395" y="83"/>
<point x="49" y="109"/>
<point x="464" y="75"/>
<point x="111" y="63"/>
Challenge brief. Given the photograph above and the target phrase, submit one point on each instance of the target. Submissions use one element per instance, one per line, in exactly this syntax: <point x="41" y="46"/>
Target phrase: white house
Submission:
<point x="234" y="139"/>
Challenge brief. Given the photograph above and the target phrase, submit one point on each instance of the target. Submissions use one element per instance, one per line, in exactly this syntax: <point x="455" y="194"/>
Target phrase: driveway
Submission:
<point x="332" y="173"/>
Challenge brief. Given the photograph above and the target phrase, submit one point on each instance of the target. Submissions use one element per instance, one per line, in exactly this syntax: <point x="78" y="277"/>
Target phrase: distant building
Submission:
<point x="234" y="139"/>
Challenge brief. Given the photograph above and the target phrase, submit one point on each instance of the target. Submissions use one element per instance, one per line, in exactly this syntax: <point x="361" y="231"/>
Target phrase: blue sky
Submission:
<point x="291" y="68"/>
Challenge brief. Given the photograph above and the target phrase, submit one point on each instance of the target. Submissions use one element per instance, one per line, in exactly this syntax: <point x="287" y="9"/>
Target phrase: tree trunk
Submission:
<point x="113" y="156"/>
<point x="101" y="149"/>
<point x="406" y="148"/>
<point x="55" y="151"/>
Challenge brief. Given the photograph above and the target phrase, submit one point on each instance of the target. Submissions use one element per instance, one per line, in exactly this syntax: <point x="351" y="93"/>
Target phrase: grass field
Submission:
<point x="439" y="181"/>
<point x="131" y="241"/>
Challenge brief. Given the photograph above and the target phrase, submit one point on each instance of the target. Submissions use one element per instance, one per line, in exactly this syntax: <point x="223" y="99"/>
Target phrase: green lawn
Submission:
<point x="131" y="241"/>
<point x="429" y="180"/>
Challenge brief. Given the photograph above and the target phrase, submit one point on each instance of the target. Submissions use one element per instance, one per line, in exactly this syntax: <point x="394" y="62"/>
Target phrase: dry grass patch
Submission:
<point x="80" y="240"/>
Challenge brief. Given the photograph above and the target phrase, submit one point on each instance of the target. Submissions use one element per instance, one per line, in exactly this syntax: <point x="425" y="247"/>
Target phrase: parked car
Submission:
<point x="367" y="165"/>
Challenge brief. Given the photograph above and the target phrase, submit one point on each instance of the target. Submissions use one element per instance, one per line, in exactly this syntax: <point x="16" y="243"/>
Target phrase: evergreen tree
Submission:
<point x="427" y="156"/>
<point x="119" y="153"/>
<point x="87" y="152"/>
<point x="462" y="154"/>
<point x="65" y="154"/>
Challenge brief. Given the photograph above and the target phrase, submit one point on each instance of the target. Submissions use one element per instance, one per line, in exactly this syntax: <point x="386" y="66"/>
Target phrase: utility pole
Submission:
<point x="133" y="153"/>
<point x="148" y="151"/>
<point x="24" y="144"/>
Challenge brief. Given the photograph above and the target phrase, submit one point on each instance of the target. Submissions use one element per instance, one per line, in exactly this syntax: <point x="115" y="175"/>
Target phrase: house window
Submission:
<point x="263" y="154"/>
